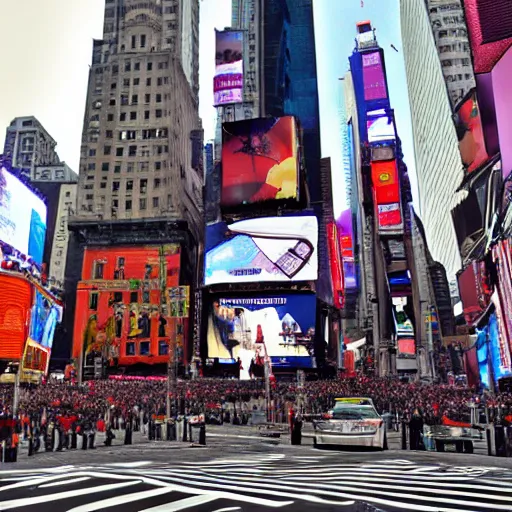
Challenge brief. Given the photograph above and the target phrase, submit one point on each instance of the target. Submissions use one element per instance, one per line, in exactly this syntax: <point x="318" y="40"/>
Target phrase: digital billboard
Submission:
<point x="374" y="79"/>
<point x="335" y="260"/>
<point x="470" y="134"/>
<point x="22" y="217"/>
<point x="386" y="189"/>
<point x="228" y="80"/>
<point x="380" y="127"/>
<point x="243" y="328"/>
<point x="44" y="317"/>
<point x="262" y="249"/>
<point x="259" y="161"/>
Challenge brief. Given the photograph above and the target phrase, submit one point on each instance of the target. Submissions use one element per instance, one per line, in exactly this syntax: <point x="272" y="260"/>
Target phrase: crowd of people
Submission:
<point x="121" y="398"/>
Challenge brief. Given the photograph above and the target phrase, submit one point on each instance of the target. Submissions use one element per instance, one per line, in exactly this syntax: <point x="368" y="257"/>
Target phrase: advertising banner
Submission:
<point x="259" y="161"/>
<point x="470" y="134"/>
<point x="22" y="217"/>
<point x="228" y="80"/>
<point x="243" y="328"/>
<point x="373" y="77"/>
<point x="43" y="319"/>
<point x="262" y="250"/>
<point x="385" y="182"/>
<point x="335" y="261"/>
<point x="380" y="127"/>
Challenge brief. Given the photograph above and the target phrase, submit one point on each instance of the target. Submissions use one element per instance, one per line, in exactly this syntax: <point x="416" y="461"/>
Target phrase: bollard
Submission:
<point x="191" y="437"/>
<point x="84" y="441"/>
<point x="489" y="441"/>
<point x="185" y="429"/>
<point x="30" y="447"/>
<point x="404" y="435"/>
<point x="202" y="435"/>
<point x="171" y="432"/>
<point x="73" y="441"/>
<point x="296" y="434"/>
<point x="92" y="435"/>
<point x="499" y="438"/>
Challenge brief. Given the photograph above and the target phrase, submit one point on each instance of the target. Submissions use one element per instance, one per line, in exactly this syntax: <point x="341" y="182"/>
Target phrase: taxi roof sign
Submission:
<point x="359" y="401"/>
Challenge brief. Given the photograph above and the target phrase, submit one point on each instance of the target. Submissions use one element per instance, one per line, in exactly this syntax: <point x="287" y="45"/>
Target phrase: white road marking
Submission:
<point x="194" y="501"/>
<point x="66" y="482"/>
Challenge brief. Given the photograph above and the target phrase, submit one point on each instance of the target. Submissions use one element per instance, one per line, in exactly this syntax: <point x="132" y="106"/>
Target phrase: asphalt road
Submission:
<point x="240" y="471"/>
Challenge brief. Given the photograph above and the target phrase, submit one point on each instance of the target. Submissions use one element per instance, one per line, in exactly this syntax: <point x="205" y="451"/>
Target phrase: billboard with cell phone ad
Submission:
<point x="262" y="250"/>
<point x="228" y="80"/>
<point x="259" y="161"/>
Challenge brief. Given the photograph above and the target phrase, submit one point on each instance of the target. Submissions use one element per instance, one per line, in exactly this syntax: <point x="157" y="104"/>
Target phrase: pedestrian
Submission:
<point x="416" y="430"/>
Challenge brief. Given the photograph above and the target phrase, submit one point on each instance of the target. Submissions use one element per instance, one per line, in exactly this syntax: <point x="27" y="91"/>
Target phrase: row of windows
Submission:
<point x="453" y="32"/>
<point x="456" y="47"/>
<point x="144" y="348"/>
<point x="120" y="151"/>
<point x="455" y="62"/>
<point x="136" y="66"/>
<point x="458" y="77"/>
<point x="143" y="185"/>
<point x="129" y="167"/>
<point x="128" y="204"/>
<point x="98" y="272"/>
<point x="125" y="100"/>
<point x="161" y="80"/>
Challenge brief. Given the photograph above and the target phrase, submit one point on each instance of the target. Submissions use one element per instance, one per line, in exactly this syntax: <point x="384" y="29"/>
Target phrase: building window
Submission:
<point x="110" y="117"/>
<point x="143" y="41"/>
<point x="158" y="113"/>
<point x="133" y="116"/>
<point x="103" y="185"/>
<point x="169" y="201"/>
<point x="91" y="166"/>
<point x="134" y="42"/>
<point x="122" y="116"/>
<point x="115" y="69"/>
<point x="150" y="66"/>
<point x="136" y="67"/>
<point x="148" y="82"/>
<point x="130" y="348"/>
<point x="159" y="98"/>
<point x="158" y="166"/>
<point x="135" y="99"/>
<point x="163" y="348"/>
<point x="104" y="166"/>
<point x="98" y="268"/>
<point x="92" y="152"/>
<point x="144" y="348"/>
<point x="89" y="197"/>
<point x="134" y="297"/>
<point x="159" y="81"/>
<point x="115" y="204"/>
<point x="147" y="98"/>
<point x="118" y="297"/>
<point x="119" y="151"/>
<point x="143" y="186"/>
<point x="109" y="134"/>
<point x="115" y="186"/>
<point x="136" y="81"/>
<point x="107" y="150"/>
<point x="126" y="82"/>
<point x="156" y="201"/>
<point x="113" y="85"/>
<point x="132" y="151"/>
<point x="156" y="183"/>
<point x="130" y="167"/>
<point x="128" y="205"/>
<point x="117" y="168"/>
<point x="143" y="204"/>
<point x="129" y="185"/>
<point x="182" y="171"/>
<point x="127" y="65"/>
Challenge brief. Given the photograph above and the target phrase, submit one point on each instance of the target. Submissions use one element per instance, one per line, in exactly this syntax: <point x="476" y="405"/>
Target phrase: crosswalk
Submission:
<point x="257" y="482"/>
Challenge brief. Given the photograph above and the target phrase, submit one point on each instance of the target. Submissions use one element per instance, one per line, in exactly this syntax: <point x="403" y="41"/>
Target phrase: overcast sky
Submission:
<point x="46" y="50"/>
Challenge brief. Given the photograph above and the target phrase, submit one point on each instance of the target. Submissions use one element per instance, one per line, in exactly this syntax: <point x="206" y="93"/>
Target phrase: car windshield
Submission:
<point x="342" y="412"/>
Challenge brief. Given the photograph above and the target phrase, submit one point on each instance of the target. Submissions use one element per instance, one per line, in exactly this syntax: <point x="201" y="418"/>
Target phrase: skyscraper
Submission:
<point x="438" y="163"/>
<point x="141" y="110"/>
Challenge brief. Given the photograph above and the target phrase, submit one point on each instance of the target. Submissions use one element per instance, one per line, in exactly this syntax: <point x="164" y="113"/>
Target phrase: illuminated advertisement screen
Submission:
<point x="263" y="249"/>
<point x="380" y="127"/>
<point x="406" y="346"/>
<point x="22" y="217"/>
<point x="470" y="133"/>
<point x="228" y="80"/>
<point x="259" y="161"/>
<point x="373" y="77"/>
<point x="244" y="328"/>
<point x="43" y="320"/>
<point x="390" y="216"/>
<point x="335" y="260"/>
<point x="385" y="182"/>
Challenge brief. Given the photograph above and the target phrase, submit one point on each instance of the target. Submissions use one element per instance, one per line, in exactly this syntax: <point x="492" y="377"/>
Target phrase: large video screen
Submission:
<point x="373" y="77"/>
<point x="244" y="328"/>
<point x="43" y="319"/>
<point x="259" y="250"/>
<point x="259" y="161"/>
<point x="228" y="81"/>
<point x="22" y="217"/>
<point x="385" y="182"/>
<point x="470" y="133"/>
<point x="380" y="127"/>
